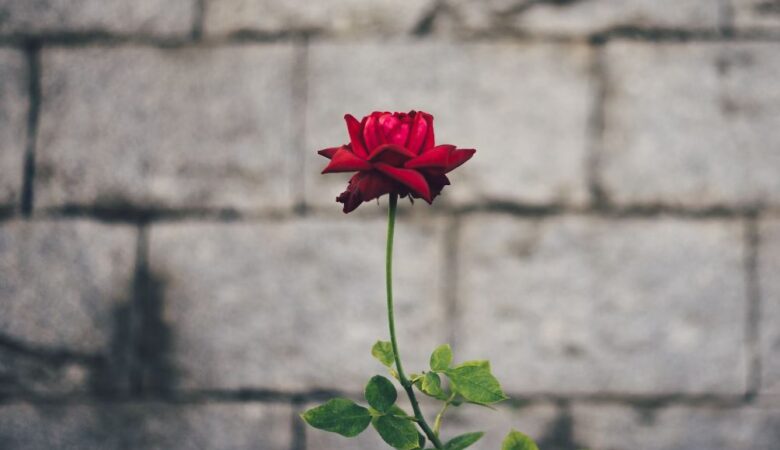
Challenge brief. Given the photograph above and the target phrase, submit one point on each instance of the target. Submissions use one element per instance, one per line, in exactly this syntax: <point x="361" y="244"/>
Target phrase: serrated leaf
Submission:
<point x="516" y="440"/>
<point x="397" y="432"/>
<point x="339" y="415"/>
<point x="475" y="383"/>
<point x="441" y="358"/>
<point x="383" y="351"/>
<point x="463" y="441"/>
<point x="380" y="393"/>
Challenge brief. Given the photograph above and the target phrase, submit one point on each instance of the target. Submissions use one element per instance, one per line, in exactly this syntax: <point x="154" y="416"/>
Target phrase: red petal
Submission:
<point x="458" y="157"/>
<point x="346" y="161"/>
<point x="353" y="127"/>
<point x="436" y="157"/>
<point x="429" y="138"/>
<point x="409" y="178"/>
<point x="418" y="133"/>
<point x="393" y="129"/>
<point x="371" y="135"/>
<point x="390" y="154"/>
<point x="328" y="152"/>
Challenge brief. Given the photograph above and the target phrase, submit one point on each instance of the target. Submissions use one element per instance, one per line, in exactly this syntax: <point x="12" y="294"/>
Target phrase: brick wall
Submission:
<point x="175" y="274"/>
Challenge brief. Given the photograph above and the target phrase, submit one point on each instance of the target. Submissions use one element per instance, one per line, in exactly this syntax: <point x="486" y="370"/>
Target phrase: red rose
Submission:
<point x="393" y="153"/>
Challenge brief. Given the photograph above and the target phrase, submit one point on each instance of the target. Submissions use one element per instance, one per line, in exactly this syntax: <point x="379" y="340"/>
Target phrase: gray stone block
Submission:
<point x="295" y="304"/>
<point x="582" y="304"/>
<point x="146" y="425"/>
<point x="523" y="107"/>
<point x="695" y="125"/>
<point x="63" y="281"/>
<point x="756" y="14"/>
<point x="579" y="17"/>
<point x="25" y="372"/>
<point x="769" y="268"/>
<point x="13" y="124"/>
<point x="141" y="17"/>
<point x="329" y="16"/>
<point x="676" y="427"/>
<point x="167" y="128"/>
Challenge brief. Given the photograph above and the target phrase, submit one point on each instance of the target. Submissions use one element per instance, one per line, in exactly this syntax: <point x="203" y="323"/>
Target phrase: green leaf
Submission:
<point x="516" y="440"/>
<point x="380" y="393"/>
<point x="463" y="441"/>
<point x="398" y="432"/>
<point x="383" y="351"/>
<point x="475" y="383"/>
<point x="441" y="358"/>
<point x="339" y="415"/>
<point x="431" y="385"/>
<point x="398" y="411"/>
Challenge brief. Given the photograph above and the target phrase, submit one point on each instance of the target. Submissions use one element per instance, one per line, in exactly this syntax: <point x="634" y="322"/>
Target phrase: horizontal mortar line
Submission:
<point x="516" y="402"/>
<point x="132" y="215"/>
<point x="52" y="355"/>
<point x="648" y="34"/>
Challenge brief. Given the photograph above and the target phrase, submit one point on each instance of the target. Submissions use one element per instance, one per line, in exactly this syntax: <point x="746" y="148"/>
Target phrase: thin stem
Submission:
<point x="407" y="385"/>
<point x="437" y="422"/>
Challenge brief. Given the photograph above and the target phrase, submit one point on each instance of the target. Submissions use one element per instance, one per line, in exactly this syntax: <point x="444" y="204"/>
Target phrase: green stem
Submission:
<point x="407" y="385"/>
<point x="437" y="422"/>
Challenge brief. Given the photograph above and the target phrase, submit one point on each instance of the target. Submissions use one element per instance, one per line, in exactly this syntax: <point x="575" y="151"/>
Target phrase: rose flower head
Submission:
<point x="393" y="153"/>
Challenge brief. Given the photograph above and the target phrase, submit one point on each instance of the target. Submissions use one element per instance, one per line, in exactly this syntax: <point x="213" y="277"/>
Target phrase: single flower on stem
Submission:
<point x="396" y="154"/>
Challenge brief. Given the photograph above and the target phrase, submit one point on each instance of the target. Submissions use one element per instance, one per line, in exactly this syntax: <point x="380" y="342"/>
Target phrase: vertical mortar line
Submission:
<point x="596" y="126"/>
<point x="298" y="126"/>
<point x="137" y="364"/>
<point x="753" y="313"/>
<point x="450" y="278"/>
<point x="32" y="53"/>
<point x="199" y="19"/>
<point x="298" y="428"/>
<point x="726" y="18"/>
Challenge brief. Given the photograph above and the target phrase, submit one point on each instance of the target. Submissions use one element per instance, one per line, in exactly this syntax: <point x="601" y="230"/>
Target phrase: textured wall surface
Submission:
<point x="175" y="273"/>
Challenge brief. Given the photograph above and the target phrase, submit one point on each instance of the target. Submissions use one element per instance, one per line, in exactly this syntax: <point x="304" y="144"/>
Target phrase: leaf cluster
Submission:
<point x="470" y="382"/>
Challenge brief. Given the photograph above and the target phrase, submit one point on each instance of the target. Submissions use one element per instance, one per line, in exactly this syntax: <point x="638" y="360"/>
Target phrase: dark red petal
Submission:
<point x="346" y="161"/>
<point x="436" y="182"/>
<point x="418" y="133"/>
<point x="374" y="184"/>
<point x="459" y="157"/>
<point x="437" y="157"/>
<point x="355" y="136"/>
<point x="371" y="133"/>
<point x="390" y="154"/>
<point x="430" y="141"/>
<point x="409" y="178"/>
<point x="328" y="152"/>
<point x="365" y="186"/>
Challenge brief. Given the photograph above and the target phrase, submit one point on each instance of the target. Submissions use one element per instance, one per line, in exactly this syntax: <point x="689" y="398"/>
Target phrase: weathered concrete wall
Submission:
<point x="175" y="274"/>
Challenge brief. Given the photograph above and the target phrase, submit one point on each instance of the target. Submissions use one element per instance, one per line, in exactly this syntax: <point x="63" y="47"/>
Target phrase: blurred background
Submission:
<point x="175" y="273"/>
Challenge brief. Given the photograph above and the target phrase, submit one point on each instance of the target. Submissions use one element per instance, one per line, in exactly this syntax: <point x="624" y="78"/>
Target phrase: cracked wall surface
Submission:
<point x="175" y="274"/>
